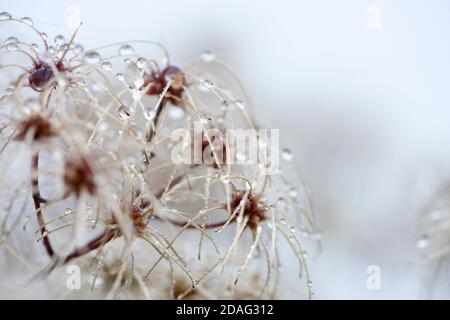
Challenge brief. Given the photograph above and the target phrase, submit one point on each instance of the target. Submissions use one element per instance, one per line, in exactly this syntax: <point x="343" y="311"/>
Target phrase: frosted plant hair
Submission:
<point x="89" y="134"/>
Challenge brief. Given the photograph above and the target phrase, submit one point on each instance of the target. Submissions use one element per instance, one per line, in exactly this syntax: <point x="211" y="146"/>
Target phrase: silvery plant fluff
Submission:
<point x="123" y="177"/>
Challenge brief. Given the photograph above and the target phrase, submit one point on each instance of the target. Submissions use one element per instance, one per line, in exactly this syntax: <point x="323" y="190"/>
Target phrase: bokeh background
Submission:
<point x="360" y="90"/>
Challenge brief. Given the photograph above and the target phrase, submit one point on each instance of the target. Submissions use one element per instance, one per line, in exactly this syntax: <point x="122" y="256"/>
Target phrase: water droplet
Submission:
<point x="208" y="84"/>
<point x="175" y="113"/>
<point x="150" y="113"/>
<point x="34" y="46"/>
<point x="287" y="154"/>
<point x="11" y="40"/>
<point x="126" y="49"/>
<point x="135" y="93"/>
<point x="208" y="56"/>
<point x="92" y="56"/>
<point x="62" y="49"/>
<point x="59" y="39"/>
<point x="293" y="192"/>
<point x="120" y="77"/>
<point x="27" y="20"/>
<point x="239" y="104"/>
<point x="138" y="83"/>
<point x="423" y="243"/>
<point x="123" y="112"/>
<point x="141" y="62"/>
<point x="81" y="83"/>
<point x="12" y="46"/>
<point x="78" y="48"/>
<point x="217" y="230"/>
<point x="225" y="179"/>
<point x="44" y="35"/>
<point x="68" y="211"/>
<point x="204" y="119"/>
<point x="107" y="65"/>
<point x="5" y="16"/>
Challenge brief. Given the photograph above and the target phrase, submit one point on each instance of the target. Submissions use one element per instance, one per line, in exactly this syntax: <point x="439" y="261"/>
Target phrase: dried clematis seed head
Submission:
<point x="158" y="80"/>
<point x="41" y="75"/>
<point x="254" y="209"/>
<point x="140" y="218"/>
<point x="35" y="126"/>
<point x="79" y="176"/>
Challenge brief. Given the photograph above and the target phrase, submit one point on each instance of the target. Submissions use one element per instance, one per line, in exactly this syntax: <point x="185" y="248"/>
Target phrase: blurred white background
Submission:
<point x="360" y="90"/>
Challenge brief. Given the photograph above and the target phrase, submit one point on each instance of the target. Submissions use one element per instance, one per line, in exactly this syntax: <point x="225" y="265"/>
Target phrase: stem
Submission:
<point x="191" y="226"/>
<point x="37" y="204"/>
<point x="172" y="184"/>
<point x="95" y="243"/>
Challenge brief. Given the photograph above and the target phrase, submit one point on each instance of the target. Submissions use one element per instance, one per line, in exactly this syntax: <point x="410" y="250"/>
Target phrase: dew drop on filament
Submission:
<point x="141" y="62"/>
<point x="207" y="56"/>
<point x="175" y="112"/>
<point x="150" y="113"/>
<point x="78" y="48"/>
<point x="59" y="39"/>
<point x="11" y="40"/>
<point x="208" y="84"/>
<point x="92" y="56"/>
<point x="239" y="104"/>
<point x="126" y="49"/>
<point x="12" y="46"/>
<point x="423" y="242"/>
<point x="287" y="154"/>
<point x="120" y="77"/>
<point x="27" y="20"/>
<point x="107" y="65"/>
<point x="5" y="16"/>
<point x="123" y="112"/>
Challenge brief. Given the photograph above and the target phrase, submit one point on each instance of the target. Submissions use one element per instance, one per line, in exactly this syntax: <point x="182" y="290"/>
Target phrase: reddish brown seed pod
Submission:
<point x="36" y="127"/>
<point x="254" y="209"/>
<point x="140" y="219"/>
<point x="42" y="74"/>
<point x="79" y="176"/>
<point x="158" y="80"/>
